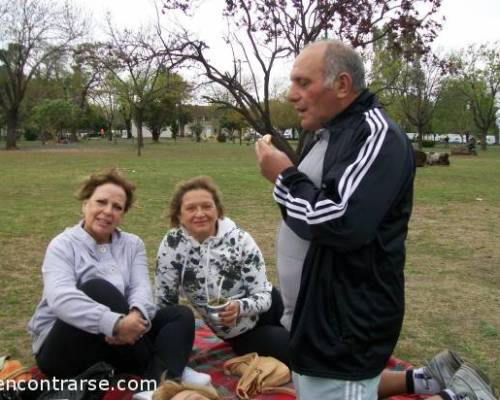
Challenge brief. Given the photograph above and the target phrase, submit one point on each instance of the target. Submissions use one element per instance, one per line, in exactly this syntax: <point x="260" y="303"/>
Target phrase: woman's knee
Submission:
<point x="177" y="312"/>
<point x="185" y="313"/>
<point x="174" y="314"/>
<point x="105" y="293"/>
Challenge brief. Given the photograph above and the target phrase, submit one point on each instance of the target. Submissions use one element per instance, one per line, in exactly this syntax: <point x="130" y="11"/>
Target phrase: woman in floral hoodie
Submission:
<point x="206" y="256"/>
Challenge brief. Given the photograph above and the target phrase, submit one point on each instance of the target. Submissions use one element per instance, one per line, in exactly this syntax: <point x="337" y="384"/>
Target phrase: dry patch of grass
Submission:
<point x="453" y="292"/>
<point x="21" y="290"/>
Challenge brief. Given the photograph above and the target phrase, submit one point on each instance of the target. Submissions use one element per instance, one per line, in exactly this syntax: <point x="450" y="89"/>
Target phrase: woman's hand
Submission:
<point x="230" y="314"/>
<point x="128" y="329"/>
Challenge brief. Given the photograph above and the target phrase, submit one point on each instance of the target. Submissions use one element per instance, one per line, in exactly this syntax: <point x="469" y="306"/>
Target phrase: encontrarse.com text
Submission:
<point x="73" y="384"/>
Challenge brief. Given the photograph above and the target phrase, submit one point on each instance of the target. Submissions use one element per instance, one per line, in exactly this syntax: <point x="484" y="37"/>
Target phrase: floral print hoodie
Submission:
<point x="231" y="261"/>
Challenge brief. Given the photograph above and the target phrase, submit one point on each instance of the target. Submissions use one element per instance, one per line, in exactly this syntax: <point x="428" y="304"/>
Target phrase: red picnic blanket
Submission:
<point x="210" y="352"/>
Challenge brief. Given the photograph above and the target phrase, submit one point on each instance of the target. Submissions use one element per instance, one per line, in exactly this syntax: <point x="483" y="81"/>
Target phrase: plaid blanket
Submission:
<point x="210" y="352"/>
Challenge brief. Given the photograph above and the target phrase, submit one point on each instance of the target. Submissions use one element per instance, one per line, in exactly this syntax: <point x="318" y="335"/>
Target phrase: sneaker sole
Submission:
<point x="478" y="380"/>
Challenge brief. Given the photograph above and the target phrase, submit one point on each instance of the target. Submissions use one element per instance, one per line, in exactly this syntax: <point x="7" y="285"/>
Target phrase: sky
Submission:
<point x="469" y="22"/>
<point x="465" y="23"/>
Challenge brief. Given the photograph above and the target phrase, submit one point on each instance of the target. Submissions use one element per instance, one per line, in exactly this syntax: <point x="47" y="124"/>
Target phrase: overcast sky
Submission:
<point x="466" y="23"/>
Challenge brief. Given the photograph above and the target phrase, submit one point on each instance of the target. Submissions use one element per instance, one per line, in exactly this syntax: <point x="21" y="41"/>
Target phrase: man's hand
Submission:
<point x="230" y="314"/>
<point x="271" y="161"/>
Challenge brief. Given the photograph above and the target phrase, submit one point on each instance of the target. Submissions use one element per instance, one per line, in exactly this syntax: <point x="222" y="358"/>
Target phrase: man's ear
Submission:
<point x="343" y="85"/>
<point x="84" y="203"/>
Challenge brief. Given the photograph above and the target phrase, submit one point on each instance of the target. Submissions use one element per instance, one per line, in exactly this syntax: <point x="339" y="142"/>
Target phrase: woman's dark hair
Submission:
<point x="198" y="183"/>
<point x="113" y="175"/>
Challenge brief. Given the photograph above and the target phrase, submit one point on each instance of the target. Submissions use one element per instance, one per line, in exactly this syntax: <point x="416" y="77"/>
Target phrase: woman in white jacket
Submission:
<point x="208" y="257"/>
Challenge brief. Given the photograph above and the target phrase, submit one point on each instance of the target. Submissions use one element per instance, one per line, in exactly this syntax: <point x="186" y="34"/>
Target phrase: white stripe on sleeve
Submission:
<point x="326" y="209"/>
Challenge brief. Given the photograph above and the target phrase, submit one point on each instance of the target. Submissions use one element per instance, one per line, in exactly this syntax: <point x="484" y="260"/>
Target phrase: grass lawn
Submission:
<point x="453" y="258"/>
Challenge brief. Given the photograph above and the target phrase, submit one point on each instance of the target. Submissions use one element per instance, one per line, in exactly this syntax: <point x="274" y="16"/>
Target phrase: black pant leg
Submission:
<point x="265" y="340"/>
<point x="275" y="312"/>
<point x="172" y="338"/>
<point x="67" y="351"/>
<point x="268" y="337"/>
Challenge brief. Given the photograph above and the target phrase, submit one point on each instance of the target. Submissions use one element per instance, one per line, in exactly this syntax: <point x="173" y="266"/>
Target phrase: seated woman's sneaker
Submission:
<point x="191" y="377"/>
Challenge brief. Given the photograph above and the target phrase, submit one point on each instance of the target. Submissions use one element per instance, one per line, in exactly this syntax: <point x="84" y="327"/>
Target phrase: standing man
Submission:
<point x="347" y="207"/>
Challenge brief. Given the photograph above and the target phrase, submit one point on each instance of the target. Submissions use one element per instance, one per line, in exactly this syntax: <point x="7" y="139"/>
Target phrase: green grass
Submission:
<point x="453" y="258"/>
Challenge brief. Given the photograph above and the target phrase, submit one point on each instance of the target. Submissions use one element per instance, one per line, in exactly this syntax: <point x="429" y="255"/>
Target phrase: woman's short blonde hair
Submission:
<point x="198" y="183"/>
<point x="112" y="175"/>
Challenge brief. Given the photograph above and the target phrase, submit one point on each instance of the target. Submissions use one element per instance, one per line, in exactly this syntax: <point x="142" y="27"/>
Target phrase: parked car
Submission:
<point x="252" y="135"/>
<point x="288" y="134"/>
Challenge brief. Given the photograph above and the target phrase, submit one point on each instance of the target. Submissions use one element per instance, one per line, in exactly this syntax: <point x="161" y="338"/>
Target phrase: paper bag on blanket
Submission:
<point x="13" y="370"/>
<point x="258" y="375"/>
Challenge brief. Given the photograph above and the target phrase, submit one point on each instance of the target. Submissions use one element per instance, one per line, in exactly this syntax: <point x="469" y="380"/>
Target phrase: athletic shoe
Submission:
<point x="443" y="366"/>
<point x="191" y="377"/>
<point x="470" y="383"/>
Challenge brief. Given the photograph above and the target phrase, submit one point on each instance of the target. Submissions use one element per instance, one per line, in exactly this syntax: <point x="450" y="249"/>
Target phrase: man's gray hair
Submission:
<point x="338" y="58"/>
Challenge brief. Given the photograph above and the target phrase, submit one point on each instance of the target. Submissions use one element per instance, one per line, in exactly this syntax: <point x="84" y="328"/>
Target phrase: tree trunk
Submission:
<point x="240" y="136"/>
<point x="283" y="145"/>
<point x="484" y="143"/>
<point x="128" y="127"/>
<point x="182" y="131"/>
<point x="12" y="121"/>
<point x="302" y="141"/>
<point x="156" y="135"/>
<point x="420" y="134"/>
<point x="140" y="143"/>
<point x="138" y="122"/>
<point x="73" y="138"/>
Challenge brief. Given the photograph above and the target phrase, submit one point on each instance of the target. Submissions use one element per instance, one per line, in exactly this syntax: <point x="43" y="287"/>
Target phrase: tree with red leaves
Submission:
<point x="273" y="29"/>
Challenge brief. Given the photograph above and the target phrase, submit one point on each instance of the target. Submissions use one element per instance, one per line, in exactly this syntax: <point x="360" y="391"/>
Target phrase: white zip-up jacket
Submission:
<point x="230" y="260"/>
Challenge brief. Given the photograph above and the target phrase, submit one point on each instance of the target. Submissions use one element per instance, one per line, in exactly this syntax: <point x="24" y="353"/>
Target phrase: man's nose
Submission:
<point x="292" y="94"/>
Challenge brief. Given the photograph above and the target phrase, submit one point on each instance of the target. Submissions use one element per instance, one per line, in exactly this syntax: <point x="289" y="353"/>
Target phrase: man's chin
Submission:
<point x="310" y="126"/>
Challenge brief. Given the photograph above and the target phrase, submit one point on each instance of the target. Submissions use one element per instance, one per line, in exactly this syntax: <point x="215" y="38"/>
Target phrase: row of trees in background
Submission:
<point x="50" y="79"/>
<point x="53" y="79"/>
<point x="455" y="93"/>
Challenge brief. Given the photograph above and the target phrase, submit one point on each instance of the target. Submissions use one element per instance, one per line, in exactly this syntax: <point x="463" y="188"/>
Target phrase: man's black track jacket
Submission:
<point x="350" y="306"/>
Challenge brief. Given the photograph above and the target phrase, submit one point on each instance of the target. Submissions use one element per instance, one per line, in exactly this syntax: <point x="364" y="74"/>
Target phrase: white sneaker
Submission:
<point x="147" y="395"/>
<point x="192" y="377"/>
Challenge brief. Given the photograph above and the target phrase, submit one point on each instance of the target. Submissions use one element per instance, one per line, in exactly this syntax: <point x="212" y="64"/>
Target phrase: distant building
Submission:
<point x="203" y="115"/>
<point x="146" y="133"/>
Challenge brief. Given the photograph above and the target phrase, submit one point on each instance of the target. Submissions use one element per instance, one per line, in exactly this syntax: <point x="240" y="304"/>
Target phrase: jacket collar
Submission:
<point x="363" y="102"/>
<point x="82" y="235"/>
